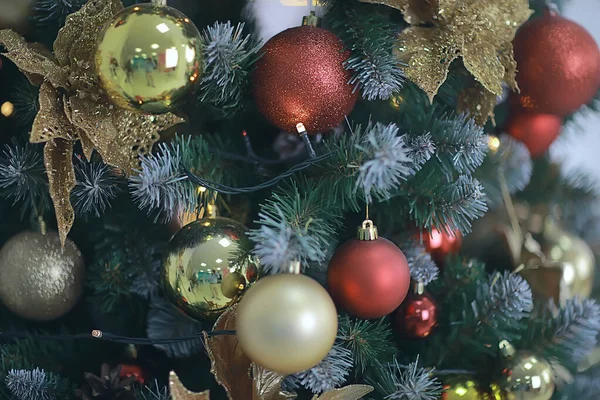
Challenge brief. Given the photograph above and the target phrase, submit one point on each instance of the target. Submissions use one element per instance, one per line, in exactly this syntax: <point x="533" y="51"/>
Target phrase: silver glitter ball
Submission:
<point x="39" y="280"/>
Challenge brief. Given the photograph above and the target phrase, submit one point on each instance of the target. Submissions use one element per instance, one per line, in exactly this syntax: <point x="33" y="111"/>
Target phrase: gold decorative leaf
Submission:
<point x="80" y="110"/>
<point x="51" y="122"/>
<point x="415" y="11"/>
<point x="545" y="282"/>
<point x="241" y="379"/>
<point x="351" y="392"/>
<point x="179" y="392"/>
<point x="267" y="385"/>
<point x="37" y="65"/>
<point x="75" y="44"/>
<point x="507" y="58"/>
<point x="477" y="102"/>
<point x="58" y="160"/>
<point x="479" y="31"/>
<point x="429" y="53"/>
<point x="229" y="364"/>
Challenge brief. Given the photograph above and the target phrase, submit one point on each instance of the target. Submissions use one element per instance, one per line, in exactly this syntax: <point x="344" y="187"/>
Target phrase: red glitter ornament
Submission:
<point x="418" y="314"/>
<point x="440" y="244"/>
<point x="537" y="131"/>
<point x="558" y="65"/>
<point x="369" y="276"/>
<point x="300" y="78"/>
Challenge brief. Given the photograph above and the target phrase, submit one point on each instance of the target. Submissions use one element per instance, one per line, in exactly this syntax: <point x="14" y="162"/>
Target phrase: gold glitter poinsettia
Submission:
<point x="74" y="108"/>
<point x="244" y="380"/>
<point x="180" y="392"/>
<point x="479" y="31"/>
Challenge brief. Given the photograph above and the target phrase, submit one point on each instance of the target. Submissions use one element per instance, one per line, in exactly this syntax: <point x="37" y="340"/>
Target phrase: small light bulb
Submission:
<point x="493" y="143"/>
<point x="7" y="109"/>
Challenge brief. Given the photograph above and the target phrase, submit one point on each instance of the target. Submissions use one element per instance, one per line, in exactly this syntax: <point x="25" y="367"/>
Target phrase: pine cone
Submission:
<point x="108" y="386"/>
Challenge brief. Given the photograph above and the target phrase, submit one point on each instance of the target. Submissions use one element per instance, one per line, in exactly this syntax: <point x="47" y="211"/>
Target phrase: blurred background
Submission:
<point x="579" y="146"/>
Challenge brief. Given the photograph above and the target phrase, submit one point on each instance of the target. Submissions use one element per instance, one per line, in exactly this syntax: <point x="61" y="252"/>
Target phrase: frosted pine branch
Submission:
<point x="504" y="299"/>
<point x="408" y="383"/>
<point x="154" y="392"/>
<point x="29" y="385"/>
<point x="229" y="56"/>
<point x="571" y="332"/>
<point x="329" y="374"/>
<point x="422" y="267"/>
<point x="25" y="98"/>
<point x="160" y="184"/>
<point x="54" y="12"/>
<point x="96" y="187"/>
<point x="367" y="340"/>
<point x="274" y="247"/>
<point x="461" y="144"/>
<point x="420" y="149"/>
<point x="386" y="161"/>
<point x="22" y="174"/>
<point x="295" y="225"/>
<point x="370" y="39"/>
<point x="465" y="202"/>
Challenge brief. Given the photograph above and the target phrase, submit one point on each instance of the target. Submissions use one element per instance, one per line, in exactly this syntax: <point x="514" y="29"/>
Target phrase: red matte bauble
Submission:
<point x="440" y="244"/>
<point x="558" y="65"/>
<point x="300" y="78"/>
<point x="417" y="316"/>
<point x="536" y="131"/>
<point x="368" y="278"/>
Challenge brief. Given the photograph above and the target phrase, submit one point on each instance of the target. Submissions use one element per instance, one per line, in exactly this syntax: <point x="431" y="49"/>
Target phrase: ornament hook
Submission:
<point x="294" y="267"/>
<point x="367" y="231"/>
<point x="507" y="350"/>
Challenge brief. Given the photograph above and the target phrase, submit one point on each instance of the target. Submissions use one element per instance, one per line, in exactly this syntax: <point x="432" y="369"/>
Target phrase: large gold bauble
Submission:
<point x="286" y="323"/>
<point x="149" y="58"/>
<point x="526" y="376"/>
<point x="207" y="269"/>
<point x="465" y="388"/>
<point x="575" y="257"/>
<point x="39" y="280"/>
<point x="494" y="242"/>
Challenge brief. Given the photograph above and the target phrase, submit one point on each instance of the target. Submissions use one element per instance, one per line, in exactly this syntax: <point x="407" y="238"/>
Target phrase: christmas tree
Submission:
<point x="232" y="199"/>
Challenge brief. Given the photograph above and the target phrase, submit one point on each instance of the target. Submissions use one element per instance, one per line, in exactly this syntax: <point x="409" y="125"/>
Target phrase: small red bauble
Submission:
<point x="418" y="315"/>
<point x="129" y="370"/>
<point x="439" y="244"/>
<point x="300" y="78"/>
<point x="368" y="277"/>
<point x="537" y="131"/>
<point x="558" y="65"/>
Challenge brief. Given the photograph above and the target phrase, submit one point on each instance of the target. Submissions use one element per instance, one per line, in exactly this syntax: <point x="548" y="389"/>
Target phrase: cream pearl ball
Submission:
<point x="286" y="323"/>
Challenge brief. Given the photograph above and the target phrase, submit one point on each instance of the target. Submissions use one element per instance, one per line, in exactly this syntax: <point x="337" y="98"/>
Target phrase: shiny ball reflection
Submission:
<point x="149" y="58"/>
<point x="286" y="323"/>
<point x="527" y="376"/>
<point x="206" y="269"/>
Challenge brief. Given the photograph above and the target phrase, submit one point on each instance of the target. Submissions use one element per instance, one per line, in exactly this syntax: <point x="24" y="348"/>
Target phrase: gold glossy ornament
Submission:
<point x="465" y="388"/>
<point x="573" y="255"/>
<point x="286" y="323"/>
<point x="524" y="375"/>
<point x="201" y="256"/>
<point x="39" y="280"/>
<point x="149" y="58"/>
<point x="233" y="370"/>
<point x="74" y="108"/>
